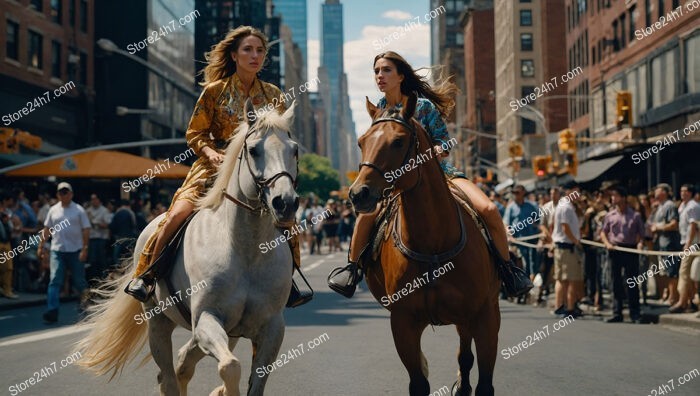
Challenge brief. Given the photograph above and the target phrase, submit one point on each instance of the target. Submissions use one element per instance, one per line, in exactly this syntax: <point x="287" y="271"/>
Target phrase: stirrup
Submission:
<point x="140" y="288"/>
<point x="297" y="296"/>
<point x="514" y="279"/>
<point x="344" y="280"/>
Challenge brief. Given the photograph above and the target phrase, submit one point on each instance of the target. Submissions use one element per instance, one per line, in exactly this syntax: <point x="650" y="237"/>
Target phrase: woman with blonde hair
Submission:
<point x="230" y="78"/>
<point x="397" y="80"/>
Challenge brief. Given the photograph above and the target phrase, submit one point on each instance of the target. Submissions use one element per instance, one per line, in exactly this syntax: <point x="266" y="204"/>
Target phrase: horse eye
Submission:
<point x="253" y="152"/>
<point x="397" y="143"/>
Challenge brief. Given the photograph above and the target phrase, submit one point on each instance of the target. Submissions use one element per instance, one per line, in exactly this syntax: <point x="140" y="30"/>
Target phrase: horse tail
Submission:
<point x="114" y="336"/>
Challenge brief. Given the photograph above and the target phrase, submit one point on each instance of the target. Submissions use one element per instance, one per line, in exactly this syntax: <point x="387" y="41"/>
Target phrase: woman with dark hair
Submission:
<point x="230" y="78"/>
<point x="398" y="80"/>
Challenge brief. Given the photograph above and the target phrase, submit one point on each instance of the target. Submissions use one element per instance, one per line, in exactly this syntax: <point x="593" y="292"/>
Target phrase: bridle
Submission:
<point x="261" y="182"/>
<point x="386" y="193"/>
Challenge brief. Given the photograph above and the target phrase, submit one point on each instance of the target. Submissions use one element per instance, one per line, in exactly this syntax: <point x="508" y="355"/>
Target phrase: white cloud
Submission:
<point x="396" y="15"/>
<point x="413" y="45"/>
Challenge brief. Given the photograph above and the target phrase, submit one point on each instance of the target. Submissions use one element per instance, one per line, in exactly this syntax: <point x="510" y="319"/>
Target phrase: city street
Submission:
<point x="354" y="353"/>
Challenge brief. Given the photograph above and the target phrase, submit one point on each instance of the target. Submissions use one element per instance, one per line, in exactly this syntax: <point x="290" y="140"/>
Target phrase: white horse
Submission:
<point x="242" y="291"/>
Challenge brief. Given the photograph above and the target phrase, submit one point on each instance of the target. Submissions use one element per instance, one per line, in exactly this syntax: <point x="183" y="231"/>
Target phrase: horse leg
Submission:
<point x="407" y="334"/>
<point x="266" y="346"/>
<point x="466" y="361"/>
<point x="187" y="359"/>
<point x="213" y="340"/>
<point x="160" y="330"/>
<point x="486" y="339"/>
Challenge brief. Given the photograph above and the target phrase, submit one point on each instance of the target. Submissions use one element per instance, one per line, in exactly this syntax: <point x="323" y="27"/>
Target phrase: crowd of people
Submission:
<point x="547" y="229"/>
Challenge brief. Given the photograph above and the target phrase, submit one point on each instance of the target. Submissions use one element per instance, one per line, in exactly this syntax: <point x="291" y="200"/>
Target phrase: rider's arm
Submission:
<point x="197" y="134"/>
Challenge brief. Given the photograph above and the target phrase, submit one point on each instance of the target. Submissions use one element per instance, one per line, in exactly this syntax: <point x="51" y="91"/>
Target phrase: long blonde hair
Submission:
<point x="441" y="94"/>
<point x="219" y="62"/>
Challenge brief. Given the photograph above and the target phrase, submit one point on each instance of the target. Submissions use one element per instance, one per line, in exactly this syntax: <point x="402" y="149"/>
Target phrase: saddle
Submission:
<point x="384" y="222"/>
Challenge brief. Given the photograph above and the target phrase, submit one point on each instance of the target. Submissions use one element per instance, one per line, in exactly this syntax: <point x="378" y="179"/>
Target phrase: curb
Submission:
<point x="688" y="320"/>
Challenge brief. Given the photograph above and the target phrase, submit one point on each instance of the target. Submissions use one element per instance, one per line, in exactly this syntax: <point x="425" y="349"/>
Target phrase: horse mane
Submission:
<point x="266" y="121"/>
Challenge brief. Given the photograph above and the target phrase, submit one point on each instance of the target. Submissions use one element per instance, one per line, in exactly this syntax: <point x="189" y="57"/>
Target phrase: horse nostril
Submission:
<point x="278" y="204"/>
<point x="360" y="194"/>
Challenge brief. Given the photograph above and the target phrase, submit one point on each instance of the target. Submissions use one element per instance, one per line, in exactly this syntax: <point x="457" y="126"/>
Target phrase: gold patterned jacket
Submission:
<point x="217" y="114"/>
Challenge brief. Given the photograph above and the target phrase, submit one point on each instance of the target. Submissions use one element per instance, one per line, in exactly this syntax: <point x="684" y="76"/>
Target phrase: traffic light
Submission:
<point x="571" y="163"/>
<point x="567" y="141"/>
<point x="624" y="108"/>
<point x="515" y="149"/>
<point x="540" y="164"/>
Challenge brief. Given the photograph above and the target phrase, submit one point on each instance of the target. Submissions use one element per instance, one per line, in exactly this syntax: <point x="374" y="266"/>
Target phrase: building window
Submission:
<point x="459" y="39"/>
<point x="35" y="50"/>
<point x="623" y="36"/>
<point x="526" y="1"/>
<point x="83" y="15"/>
<point x="37" y="5"/>
<point x="661" y="8"/>
<point x="12" y="45"/>
<point x="525" y="18"/>
<point x="71" y="12"/>
<point x="692" y="64"/>
<point x="527" y="127"/>
<point x="83" y="67"/>
<point x="527" y="68"/>
<point x="593" y="57"/>
<point x="633" y="19"/>
<point x="616" y="39"/>
<point x="56" y="59"/>
<point x="56" y="11"/>
<point x="526" y="41"/>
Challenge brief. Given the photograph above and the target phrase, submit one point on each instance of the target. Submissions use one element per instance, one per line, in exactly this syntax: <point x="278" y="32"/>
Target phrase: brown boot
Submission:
<point x="6" y="281"/>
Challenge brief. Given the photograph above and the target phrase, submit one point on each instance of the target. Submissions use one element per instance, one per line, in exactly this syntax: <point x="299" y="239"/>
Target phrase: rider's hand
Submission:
<point x="214" y="157"/>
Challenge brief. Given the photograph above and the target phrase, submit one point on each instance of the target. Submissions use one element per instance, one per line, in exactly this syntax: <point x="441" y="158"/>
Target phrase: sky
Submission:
<point x="365" y="21"/>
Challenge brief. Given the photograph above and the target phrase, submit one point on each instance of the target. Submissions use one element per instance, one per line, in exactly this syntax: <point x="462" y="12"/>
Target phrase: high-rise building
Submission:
<point x="293" y="13"/>
<point x="136" y="101"/>
<point x="48" y="46"/>
<point x="650" y="50"/>
<point x="332" y="61"/>
<point x="480" y="84"/>
<point x="530" y="44"/>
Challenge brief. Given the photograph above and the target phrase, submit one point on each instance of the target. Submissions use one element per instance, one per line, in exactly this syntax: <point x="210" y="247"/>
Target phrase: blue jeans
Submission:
<point x="531" y="260"/>
<point x="59" y="262"/>
<point x="97" y="257"/>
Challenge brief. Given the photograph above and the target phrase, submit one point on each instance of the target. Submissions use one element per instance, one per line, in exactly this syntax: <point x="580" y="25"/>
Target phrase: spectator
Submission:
<point x="6" y="263"/>
<point x="623" y="227"/>
<point x="546" y="227"/>
<point x="69" y="246"/>
<point x="99" y="237"/>
<point x="665" y="227"/>
<point x="347" y="223"/>
<point x="521" y="220"/>
<point x="568" y="271"/>
<point x="689" y="214"/>
<point x="590" y="230"/>
<point x="330" y="226"/>
<point x="123" y="228"/>
<point x="498" y="201"/>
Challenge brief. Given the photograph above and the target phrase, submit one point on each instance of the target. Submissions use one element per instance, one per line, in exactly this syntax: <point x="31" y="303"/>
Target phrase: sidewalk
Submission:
<point x="655" y="312"/>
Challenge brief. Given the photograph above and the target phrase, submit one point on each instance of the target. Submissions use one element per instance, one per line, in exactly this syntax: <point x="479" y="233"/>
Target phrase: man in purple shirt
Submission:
<point x="623" y="227"/>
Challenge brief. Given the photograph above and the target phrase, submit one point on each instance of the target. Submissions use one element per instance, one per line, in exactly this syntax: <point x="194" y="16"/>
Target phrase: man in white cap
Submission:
<point x="69" y="227"/>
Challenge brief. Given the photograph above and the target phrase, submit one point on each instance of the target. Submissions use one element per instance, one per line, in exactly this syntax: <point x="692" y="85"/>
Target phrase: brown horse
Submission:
<point x="425" y="274"/>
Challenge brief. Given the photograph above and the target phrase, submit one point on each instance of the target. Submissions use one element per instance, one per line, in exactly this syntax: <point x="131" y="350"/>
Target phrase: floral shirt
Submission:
<point x="429" y="117"/>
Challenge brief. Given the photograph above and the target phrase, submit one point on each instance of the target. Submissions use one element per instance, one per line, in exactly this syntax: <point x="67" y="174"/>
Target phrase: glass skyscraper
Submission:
<point x="293" y="13"/>
<point x="332" y="60"/>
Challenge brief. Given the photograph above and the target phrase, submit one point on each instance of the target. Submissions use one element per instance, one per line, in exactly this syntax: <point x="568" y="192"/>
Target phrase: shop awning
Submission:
<point x="103" y="164"/>
<point x="589" y="170"/>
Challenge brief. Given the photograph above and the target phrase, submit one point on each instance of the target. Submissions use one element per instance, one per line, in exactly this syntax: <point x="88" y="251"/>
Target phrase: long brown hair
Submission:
<point x="219" y="62"/>
<point x="441" y="95"/>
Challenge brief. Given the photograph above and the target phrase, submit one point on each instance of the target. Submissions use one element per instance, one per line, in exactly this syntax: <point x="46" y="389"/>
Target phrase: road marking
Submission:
<point x="45" y="335"/>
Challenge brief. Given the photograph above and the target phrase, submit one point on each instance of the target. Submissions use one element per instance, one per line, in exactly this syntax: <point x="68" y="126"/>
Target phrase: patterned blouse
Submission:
<point x="429" y="117"/>
<point x="217" y="114"/>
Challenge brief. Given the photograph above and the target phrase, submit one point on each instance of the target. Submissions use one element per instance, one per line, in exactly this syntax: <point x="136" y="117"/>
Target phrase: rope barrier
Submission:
<point x="685" y="253"/>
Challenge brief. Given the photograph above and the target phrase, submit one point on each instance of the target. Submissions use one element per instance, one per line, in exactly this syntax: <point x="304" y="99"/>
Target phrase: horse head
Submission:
<point x="265" y="160"/>
<point x="389" y="152"/>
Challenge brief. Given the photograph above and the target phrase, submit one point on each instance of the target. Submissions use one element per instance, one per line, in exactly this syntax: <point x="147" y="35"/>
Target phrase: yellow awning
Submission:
<point x="104" y="164"/>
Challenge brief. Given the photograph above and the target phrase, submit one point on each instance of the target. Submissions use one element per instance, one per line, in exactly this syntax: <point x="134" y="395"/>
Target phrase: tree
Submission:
<point x="317" y="175"/>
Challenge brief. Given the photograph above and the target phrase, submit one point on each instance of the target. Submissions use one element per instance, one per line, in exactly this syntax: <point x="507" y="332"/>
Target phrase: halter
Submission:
<point x="386" y="193"/>
<point x="261" y="182"/>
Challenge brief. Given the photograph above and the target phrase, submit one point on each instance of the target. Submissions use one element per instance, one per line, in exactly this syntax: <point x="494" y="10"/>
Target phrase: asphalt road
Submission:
<point x="354" y="353"/>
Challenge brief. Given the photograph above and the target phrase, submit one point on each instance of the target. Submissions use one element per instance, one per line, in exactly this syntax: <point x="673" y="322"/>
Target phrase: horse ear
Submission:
<point x="289" y="113"/>
<point x="250" y="112"/>
<point x="372" y="110"/>
<point x="409" y="108"/>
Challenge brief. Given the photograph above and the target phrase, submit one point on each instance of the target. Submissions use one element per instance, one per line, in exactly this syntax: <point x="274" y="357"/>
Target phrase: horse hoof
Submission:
<point x="218" y="391"/>
<point x="457" y="390"/>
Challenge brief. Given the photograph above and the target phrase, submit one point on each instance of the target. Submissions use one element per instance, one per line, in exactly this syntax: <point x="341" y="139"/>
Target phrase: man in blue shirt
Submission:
<point x="522" y="219"/>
